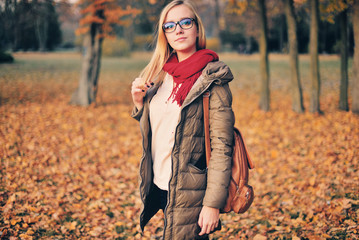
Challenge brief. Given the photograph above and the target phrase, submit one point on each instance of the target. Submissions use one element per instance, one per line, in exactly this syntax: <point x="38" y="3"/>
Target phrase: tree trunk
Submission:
<point x="8" y="24"/>
<point x="130" y="33"/>
<point x="264" y="103"/>
<point x="15" y="44"/>
<point x="281" y="34"/>
<point x="40" y="24"/>
<point x="87" y="89"/>
<point x="314" y="61"/>
<point x="343" y="99"/>
<point x="248" y="49"/>
<point x="355" y="93"/>
<point x="297" y="98"/>
<point x="216" y="20"/>
<point x="41" y="31"/>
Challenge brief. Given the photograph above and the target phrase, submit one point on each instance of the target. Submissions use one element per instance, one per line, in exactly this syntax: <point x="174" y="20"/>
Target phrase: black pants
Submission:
<point x="162" y="197"/>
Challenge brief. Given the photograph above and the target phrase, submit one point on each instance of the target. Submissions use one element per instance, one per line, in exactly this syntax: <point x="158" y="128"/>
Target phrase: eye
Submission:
<point x="169" y="25"/>
<point x="186" y="22"/>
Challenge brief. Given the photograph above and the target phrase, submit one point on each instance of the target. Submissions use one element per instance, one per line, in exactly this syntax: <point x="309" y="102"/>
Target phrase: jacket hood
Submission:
<point x="214" y="73"/>
<point x="218" y="72"/>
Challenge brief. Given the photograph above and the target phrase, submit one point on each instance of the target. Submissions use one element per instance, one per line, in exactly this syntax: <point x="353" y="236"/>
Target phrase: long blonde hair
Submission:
<point x="163" y="50"/>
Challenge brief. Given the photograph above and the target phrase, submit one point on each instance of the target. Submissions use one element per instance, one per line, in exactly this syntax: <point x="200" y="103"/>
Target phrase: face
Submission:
<point x="182" y="40"/>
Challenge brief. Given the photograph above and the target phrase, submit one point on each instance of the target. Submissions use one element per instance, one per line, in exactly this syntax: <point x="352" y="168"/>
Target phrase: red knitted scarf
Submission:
<point x="186" y="73"/>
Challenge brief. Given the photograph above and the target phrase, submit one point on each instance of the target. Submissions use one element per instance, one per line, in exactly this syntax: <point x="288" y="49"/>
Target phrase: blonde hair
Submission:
<point x="163" y="50"/>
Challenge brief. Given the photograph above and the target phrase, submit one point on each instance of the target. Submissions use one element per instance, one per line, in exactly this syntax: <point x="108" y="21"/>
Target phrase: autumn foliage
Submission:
<point x="105" y="13"/>
<point x="331" y="9"/>
<point x="70" y="172"/>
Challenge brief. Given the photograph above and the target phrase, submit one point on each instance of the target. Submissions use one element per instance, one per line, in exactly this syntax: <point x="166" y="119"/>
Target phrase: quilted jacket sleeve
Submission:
<point x="136" y="114"/>
<point x="221" y="122"/>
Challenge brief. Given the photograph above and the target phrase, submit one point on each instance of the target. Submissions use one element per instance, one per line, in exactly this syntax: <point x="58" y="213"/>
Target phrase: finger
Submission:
<point x="142" y="87"/>
<point x="139" y="87"/>
<point x="211" y="229"/>
<point x="145" y="88"/>
<point x="204" y="229"/>
<point x="138" y="83"/>
<point x="136" y="89"/>
<point x="208" y="229"/>
<point x="200" y="221"/>
<point x="202" y="232"/>
<point x="138" y="80"/>
<point x="149" y="84"/>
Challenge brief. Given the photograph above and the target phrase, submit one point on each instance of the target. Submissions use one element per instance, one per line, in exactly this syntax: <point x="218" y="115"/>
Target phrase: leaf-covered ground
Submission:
<point x="69" y="172"/>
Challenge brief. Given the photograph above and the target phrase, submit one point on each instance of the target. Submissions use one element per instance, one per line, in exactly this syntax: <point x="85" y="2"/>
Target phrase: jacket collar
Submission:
<point x="214" y="73"/>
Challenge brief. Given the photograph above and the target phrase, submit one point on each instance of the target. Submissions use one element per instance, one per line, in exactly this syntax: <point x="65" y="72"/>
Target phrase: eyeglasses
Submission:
<point x="185" y="23"/>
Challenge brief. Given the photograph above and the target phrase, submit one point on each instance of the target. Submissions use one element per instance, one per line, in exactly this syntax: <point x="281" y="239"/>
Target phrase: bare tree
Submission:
<point x="86" y="92"/>
<point x="314" y="60"/>
<point x="355" y="96"/>
<point x="264" y="103"/>
<point x="41" y="23"/>
<point x="343" y="99"/>
<point x="297" y="98"/>
<point x="216" y="29"/>
<point x="98" y="18"/>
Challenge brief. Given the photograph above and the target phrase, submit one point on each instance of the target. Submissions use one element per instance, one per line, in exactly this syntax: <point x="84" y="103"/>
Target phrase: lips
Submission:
<point x="180" y="39"/>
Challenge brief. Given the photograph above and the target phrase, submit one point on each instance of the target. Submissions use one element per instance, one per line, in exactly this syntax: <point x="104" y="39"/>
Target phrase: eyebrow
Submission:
<point x="178" y="20"/>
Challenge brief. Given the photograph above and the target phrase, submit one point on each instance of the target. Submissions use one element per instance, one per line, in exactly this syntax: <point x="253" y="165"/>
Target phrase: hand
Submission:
<point x="208" y="219"/>
<point x="138" y="91"/>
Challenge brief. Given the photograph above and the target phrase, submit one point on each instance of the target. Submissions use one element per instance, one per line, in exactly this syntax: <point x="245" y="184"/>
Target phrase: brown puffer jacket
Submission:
<point x="192" y="185"/>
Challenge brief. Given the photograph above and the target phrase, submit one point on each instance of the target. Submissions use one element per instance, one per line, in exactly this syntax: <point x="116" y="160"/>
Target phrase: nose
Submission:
<point x="178" y="30"/>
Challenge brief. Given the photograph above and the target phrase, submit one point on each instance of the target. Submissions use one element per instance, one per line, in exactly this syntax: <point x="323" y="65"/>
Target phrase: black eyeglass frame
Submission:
<point x="178" y="23"/>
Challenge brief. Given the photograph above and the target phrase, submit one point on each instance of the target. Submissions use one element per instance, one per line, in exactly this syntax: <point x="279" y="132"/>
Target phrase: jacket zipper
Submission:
<point x="168" y="194"/>
<point x="142" y="160"/>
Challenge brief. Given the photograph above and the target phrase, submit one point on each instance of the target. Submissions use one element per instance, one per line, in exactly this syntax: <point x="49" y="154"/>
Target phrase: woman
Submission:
<point x="168" y="103"/>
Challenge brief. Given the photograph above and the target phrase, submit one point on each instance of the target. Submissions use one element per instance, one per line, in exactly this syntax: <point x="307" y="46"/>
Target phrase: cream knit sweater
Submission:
<point x="164" y="114"/>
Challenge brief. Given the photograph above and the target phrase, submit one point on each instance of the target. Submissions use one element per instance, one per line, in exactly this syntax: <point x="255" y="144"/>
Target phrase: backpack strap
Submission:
<point x="206" y="125"/>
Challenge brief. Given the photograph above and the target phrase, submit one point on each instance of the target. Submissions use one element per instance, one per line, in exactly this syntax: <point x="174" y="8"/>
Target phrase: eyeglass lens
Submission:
<point x="186" y="23"/>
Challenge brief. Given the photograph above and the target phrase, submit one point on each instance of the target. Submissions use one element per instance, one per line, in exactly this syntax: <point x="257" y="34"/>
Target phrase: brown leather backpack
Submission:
<point x="240" y="194"/>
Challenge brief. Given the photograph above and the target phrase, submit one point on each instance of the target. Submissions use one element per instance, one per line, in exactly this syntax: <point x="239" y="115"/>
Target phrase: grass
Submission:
<point x="33" y="75"/>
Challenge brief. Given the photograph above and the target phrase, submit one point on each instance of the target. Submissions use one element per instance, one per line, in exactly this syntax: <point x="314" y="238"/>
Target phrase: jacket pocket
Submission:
<point x="191" y="187"/>
<point x="193" y="179"/>
<point x="193" y="169"/>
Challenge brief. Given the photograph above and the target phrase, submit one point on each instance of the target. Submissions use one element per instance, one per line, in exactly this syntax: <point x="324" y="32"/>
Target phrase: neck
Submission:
<point x="181" y="55"/>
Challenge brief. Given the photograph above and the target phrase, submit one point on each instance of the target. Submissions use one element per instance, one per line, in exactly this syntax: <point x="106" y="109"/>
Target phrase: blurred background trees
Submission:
<point x="231" y="25"/>
<point x="29" y="25"/>
<point x="272" y="26"/>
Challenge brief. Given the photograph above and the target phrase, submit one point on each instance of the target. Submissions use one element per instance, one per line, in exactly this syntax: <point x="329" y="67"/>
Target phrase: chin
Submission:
<point x="184" y="48"/>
